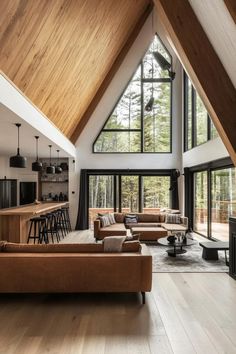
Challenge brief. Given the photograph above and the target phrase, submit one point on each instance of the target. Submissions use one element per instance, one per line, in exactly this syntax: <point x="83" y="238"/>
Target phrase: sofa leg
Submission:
<point x="143" y="297"/>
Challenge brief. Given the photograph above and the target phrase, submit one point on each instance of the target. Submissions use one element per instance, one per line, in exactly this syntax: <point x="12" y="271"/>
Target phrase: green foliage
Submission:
<point x="118" y="134"/>
<point x="155" y="193"/>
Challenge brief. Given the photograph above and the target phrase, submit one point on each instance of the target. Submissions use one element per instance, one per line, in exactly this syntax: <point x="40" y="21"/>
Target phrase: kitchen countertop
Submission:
<point x="33" y="209"/>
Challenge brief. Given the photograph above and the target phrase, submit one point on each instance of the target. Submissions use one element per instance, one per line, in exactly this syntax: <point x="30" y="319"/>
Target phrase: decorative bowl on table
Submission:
<point x="171" y="239"/>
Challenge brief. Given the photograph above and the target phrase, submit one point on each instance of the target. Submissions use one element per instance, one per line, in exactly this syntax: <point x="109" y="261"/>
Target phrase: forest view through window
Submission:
<point x="141" y="120"/>
<point x="199" y="127"/>
<point x="214" y="201"/>
<point x="127" y="193"/>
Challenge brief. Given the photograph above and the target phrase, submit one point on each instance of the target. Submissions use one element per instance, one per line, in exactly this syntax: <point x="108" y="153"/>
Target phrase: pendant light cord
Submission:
<point x="18" y="138"/>
<point x="50" y="146"/>
<point x="37" y="155"/>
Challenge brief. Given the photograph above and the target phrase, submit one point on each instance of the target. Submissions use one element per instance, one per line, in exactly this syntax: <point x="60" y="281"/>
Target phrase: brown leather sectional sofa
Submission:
<point x="156" y="221"/>
<point x="70" y="268"/>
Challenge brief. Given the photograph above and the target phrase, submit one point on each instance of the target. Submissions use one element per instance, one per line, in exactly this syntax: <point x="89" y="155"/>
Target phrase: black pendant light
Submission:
<point x="164" y="64"/>
<point x="18" y="160"/>
<point x="58" y="169"/>
<point x="37" y="165"/>
<point x="50" y="169"/>
<point x="149" y="105"/>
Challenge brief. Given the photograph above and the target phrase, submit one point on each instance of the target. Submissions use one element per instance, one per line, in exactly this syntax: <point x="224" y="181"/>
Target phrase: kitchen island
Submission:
<point x="14" y="222"/>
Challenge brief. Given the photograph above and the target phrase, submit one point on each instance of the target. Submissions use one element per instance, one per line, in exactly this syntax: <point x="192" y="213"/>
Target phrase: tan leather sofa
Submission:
<point x="74" y="268"/>
<point x="156" y="221"/>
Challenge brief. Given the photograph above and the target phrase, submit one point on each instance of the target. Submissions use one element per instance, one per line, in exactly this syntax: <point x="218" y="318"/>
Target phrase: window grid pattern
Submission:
<point x="198" y="126"/>
<point x="131" y="128"/>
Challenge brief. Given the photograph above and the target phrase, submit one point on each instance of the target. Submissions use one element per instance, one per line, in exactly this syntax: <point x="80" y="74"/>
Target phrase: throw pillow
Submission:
<point x="173" y="219"/>
<point x="111" y="218"/>
<point x="131" y="219"/>
<point x="104" y="220"/>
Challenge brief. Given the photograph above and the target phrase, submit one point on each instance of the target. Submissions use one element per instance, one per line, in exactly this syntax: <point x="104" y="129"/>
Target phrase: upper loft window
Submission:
<point x="141" y="120"/>
<point x="199" y="127"/>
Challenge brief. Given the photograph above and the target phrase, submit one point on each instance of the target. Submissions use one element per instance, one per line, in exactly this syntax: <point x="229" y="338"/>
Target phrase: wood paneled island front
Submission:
<point x="14" y="222"/>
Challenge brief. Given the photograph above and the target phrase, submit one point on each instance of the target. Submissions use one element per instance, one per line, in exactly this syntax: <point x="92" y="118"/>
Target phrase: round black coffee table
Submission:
<point x="177" y="246"/>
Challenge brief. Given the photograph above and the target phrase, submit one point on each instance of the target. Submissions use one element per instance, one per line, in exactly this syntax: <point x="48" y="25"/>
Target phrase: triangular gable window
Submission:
<point x="141" y="120"/>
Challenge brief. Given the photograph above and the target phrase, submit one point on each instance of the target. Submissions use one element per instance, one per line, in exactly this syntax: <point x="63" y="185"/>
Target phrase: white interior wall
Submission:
<point x="210" y="151"/>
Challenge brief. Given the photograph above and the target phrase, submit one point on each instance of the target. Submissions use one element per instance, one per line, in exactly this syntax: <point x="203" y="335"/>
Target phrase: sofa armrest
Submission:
<point x="97" y="227"/>
<point x="184" y="220"/>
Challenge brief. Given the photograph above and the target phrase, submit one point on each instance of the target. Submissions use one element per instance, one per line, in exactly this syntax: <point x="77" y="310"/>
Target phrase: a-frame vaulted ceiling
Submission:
<point x="58" y="52"/>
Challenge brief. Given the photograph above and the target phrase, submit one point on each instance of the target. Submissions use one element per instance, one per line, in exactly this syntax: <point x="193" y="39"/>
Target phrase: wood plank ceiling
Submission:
<point x="58" y="52"/>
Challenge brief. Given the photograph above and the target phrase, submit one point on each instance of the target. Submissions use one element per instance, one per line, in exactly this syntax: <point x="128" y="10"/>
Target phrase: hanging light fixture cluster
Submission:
<point x="20" y="161"/>
<point x="52" y="169"/>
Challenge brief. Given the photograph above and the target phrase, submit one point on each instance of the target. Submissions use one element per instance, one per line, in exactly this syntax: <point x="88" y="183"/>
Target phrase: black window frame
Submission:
<point x="141" y="130"/>
<point x="131" y="172"/>
<point x="189" y="190"/>
<point x="194" y="117"/>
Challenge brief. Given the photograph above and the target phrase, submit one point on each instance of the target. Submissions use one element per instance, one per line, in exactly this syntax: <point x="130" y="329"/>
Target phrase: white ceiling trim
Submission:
<point x="15" y="101"/>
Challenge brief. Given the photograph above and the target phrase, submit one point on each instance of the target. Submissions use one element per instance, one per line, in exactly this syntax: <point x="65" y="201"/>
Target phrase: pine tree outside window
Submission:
<point x="198" y="126"/>
<point x="131" y="127"/>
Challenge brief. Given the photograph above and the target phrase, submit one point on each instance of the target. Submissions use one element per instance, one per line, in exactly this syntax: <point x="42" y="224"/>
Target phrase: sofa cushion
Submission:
<point x="173" y="219"/>
<point x="143" y="224"/>
<point x="119" y="217"/>
<point x="148" y="217"/>
<point x="174" y="227"/>
<point x="117" y="226"/>
<point x="129" y="246"/>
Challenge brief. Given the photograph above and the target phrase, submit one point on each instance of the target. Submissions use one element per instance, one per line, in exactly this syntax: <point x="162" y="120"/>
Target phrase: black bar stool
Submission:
<point x="61" y="222"/>
<point x="51" y="226"/>
<point x="38" y="224"/>
<point x="67" y="218"/>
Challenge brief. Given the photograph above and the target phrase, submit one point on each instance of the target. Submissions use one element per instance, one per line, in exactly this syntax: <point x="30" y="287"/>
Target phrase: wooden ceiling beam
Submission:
<point x="107" y="80"/>
<point x="203" y="66"/>
<point x="231" y="5"/>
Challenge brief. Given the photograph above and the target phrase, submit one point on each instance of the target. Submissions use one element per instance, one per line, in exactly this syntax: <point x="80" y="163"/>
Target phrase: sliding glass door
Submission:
<point x="129" y="193"/>
<point x="101" y="196"/>
<point x="214" y="201"/>
<point x="200" y="202"/>
<point x="156" y="193"/>
<point x="223" y="201"/>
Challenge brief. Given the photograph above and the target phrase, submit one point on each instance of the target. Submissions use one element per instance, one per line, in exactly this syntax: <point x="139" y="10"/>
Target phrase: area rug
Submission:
<point x="189" y="262"/>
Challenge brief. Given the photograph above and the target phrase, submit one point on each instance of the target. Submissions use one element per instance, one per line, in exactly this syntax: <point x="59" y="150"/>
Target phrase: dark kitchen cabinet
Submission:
<point x="8" y="193"/>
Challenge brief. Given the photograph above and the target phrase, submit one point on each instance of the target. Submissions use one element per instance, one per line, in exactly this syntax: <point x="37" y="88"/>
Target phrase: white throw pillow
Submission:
<point x="173" y="219"/>
<point x="111" y="218"/>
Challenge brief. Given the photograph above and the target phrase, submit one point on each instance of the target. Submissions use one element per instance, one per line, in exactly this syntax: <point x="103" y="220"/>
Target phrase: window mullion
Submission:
<point x="142" y="113"/>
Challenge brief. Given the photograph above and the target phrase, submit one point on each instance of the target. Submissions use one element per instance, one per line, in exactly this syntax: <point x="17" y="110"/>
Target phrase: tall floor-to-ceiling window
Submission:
<point x="198" y="125"/>
<point x="137" y="191"/>
<point x="140" y="122"/>
<point x="223" y="201"/>
<point x="213" y="199"/>
<point x="200" y="202"/>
